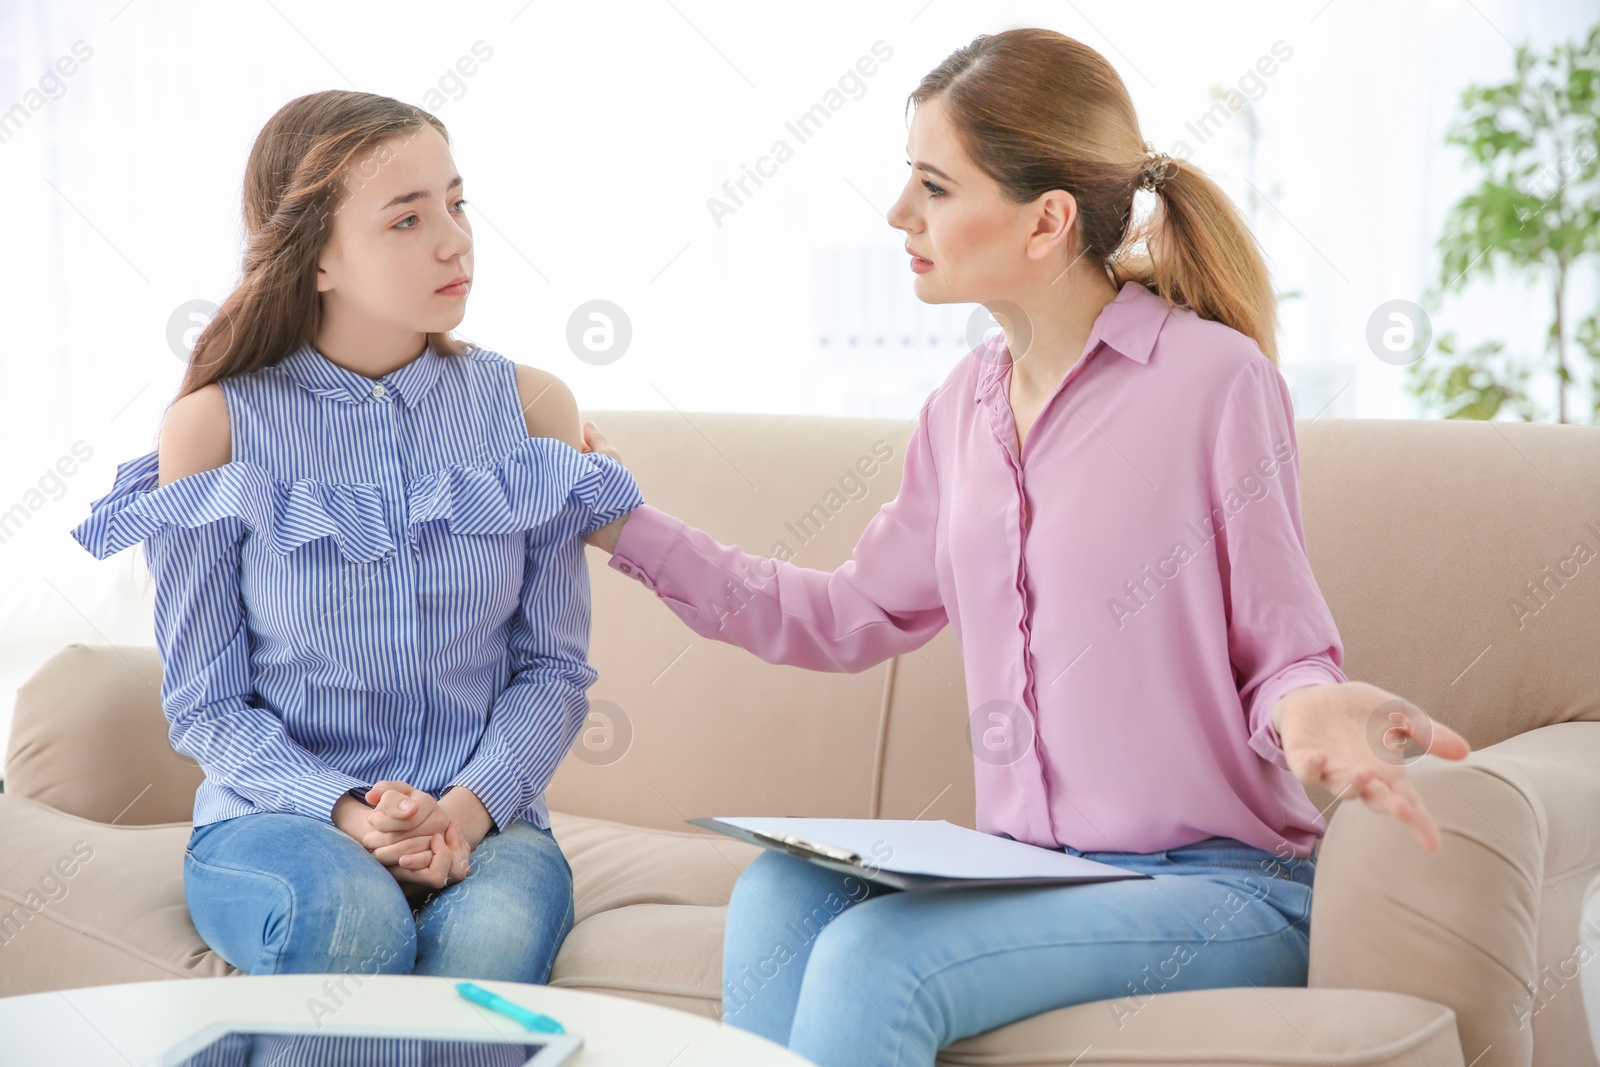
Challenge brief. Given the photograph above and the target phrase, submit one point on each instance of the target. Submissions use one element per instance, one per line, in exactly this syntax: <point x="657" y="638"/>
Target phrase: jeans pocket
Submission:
<point x="196" y="834"/>
<point x="1293" y="902"/>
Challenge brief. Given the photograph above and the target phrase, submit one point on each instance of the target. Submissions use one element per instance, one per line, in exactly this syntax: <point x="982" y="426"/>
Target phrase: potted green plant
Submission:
<point x="1532" y="142"/>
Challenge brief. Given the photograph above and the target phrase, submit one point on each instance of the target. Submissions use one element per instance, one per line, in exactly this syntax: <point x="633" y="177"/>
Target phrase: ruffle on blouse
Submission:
<point x="285" y="515"/>
<point x="527" y="487"/>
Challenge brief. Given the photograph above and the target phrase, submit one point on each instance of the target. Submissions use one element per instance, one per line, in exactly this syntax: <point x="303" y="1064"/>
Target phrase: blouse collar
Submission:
<point x="1128" y="325"/>
<point x="319" y="374"/>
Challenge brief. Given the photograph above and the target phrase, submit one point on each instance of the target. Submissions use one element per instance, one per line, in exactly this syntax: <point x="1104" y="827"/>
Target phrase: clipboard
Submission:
<point x="913" y="854"/>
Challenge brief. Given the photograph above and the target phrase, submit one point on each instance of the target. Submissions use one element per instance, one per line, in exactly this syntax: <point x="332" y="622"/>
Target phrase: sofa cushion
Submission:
<point x="87" y="903"/>
<point x="615" y="865"/>
<point x="651" y="905"/>
<point x="1277" y="1025"/>
<point x="667" y="954"/>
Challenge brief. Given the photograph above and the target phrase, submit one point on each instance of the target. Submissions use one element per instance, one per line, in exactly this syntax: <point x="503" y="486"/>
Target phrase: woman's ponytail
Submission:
<point x="1202" y="255"/>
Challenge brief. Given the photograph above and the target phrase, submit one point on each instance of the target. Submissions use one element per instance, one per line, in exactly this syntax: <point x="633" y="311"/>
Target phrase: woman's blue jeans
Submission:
<point x="849" y="972"/>
<point x="287" y="894"/>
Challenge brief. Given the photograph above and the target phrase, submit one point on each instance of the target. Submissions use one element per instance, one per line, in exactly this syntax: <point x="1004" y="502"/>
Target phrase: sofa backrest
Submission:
<point x="717" y="731"/>
<point x="1425" y="536"/>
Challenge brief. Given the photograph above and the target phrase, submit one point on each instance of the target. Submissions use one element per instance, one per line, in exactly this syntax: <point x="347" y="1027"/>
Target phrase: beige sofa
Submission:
<point x="1422" y="535"/>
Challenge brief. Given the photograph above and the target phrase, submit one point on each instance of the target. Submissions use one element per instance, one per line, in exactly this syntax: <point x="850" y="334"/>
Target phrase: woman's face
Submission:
<point x="400" y="237"/>
<point x="969" y="244"/>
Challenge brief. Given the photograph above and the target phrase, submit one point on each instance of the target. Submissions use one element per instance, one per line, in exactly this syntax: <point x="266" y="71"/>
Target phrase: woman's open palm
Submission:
<point x="1351" y="736"/>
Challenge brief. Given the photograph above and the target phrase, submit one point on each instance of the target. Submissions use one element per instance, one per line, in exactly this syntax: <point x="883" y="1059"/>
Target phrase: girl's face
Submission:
<point x="400" y="238"/>
<point x="968" y="243"/>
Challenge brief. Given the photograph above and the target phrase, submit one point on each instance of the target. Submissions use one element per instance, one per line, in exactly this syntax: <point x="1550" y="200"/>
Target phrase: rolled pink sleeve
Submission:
<point x="885" y="600"/>
<point x="1281" y="635"/>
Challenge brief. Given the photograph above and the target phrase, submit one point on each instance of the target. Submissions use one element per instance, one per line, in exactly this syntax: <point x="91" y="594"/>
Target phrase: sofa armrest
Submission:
<point x="87" y="903"/>
<point x="89" y="738"/>
<point x="1473" y="925"/>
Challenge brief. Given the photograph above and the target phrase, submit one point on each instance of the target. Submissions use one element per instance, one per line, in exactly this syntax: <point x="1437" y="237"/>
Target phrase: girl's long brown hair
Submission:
<point x="304" y="162"/>
<point x="1038" y="111"/>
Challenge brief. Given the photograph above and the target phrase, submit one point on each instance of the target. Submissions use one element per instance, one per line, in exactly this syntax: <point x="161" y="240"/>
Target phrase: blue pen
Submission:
<point x="530" y="1020"/>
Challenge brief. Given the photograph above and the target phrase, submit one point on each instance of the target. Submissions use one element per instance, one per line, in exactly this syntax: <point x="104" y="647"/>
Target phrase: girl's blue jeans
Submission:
<point x="849" y="972"/>
<point x="287" y="894"/>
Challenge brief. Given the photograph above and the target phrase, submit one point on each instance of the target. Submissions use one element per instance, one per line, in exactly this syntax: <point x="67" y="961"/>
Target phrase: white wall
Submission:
<point x="591" y="141"/>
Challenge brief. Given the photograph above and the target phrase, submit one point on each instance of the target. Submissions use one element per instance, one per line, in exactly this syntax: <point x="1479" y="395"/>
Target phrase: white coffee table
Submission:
<point x="130" y="1024"/>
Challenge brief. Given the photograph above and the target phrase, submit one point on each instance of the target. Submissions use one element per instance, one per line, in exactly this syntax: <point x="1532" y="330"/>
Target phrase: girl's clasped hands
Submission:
<point x="412" y="834"/>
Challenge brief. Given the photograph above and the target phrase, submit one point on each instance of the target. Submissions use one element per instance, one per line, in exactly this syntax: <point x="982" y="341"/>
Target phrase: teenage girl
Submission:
<point x="372" y="606"/>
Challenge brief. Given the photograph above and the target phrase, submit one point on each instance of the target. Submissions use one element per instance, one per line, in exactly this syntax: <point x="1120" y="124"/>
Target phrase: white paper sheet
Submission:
<point x="942" y="849"/>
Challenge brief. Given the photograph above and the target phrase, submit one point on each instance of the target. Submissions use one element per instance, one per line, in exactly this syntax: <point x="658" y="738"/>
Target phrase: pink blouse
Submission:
<point x="1123" y="660"/>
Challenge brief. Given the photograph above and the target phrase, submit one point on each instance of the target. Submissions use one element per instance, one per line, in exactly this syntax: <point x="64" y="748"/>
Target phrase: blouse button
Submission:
<point x="624" y="568"/>
<point x="379" y="391"/>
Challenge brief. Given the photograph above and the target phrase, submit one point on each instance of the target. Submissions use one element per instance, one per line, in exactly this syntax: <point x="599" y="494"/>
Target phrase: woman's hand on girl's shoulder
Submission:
<point x="595" y="441"/>
<point x="606" y="536"/>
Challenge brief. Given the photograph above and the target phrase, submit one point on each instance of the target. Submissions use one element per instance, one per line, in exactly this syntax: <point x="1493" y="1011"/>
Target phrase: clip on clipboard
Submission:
<point x="916" y="854"/>
<point x="800" y="846"/>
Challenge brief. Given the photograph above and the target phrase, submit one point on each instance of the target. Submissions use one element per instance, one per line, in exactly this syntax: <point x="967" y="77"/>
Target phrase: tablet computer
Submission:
<point x="310" y="1045"/>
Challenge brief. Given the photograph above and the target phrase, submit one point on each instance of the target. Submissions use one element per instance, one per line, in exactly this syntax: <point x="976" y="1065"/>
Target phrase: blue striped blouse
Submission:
<point x="386" y="581"/>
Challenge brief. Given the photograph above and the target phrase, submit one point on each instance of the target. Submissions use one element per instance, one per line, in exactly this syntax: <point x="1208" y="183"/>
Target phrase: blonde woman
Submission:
<point x="1105" y="504"/>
